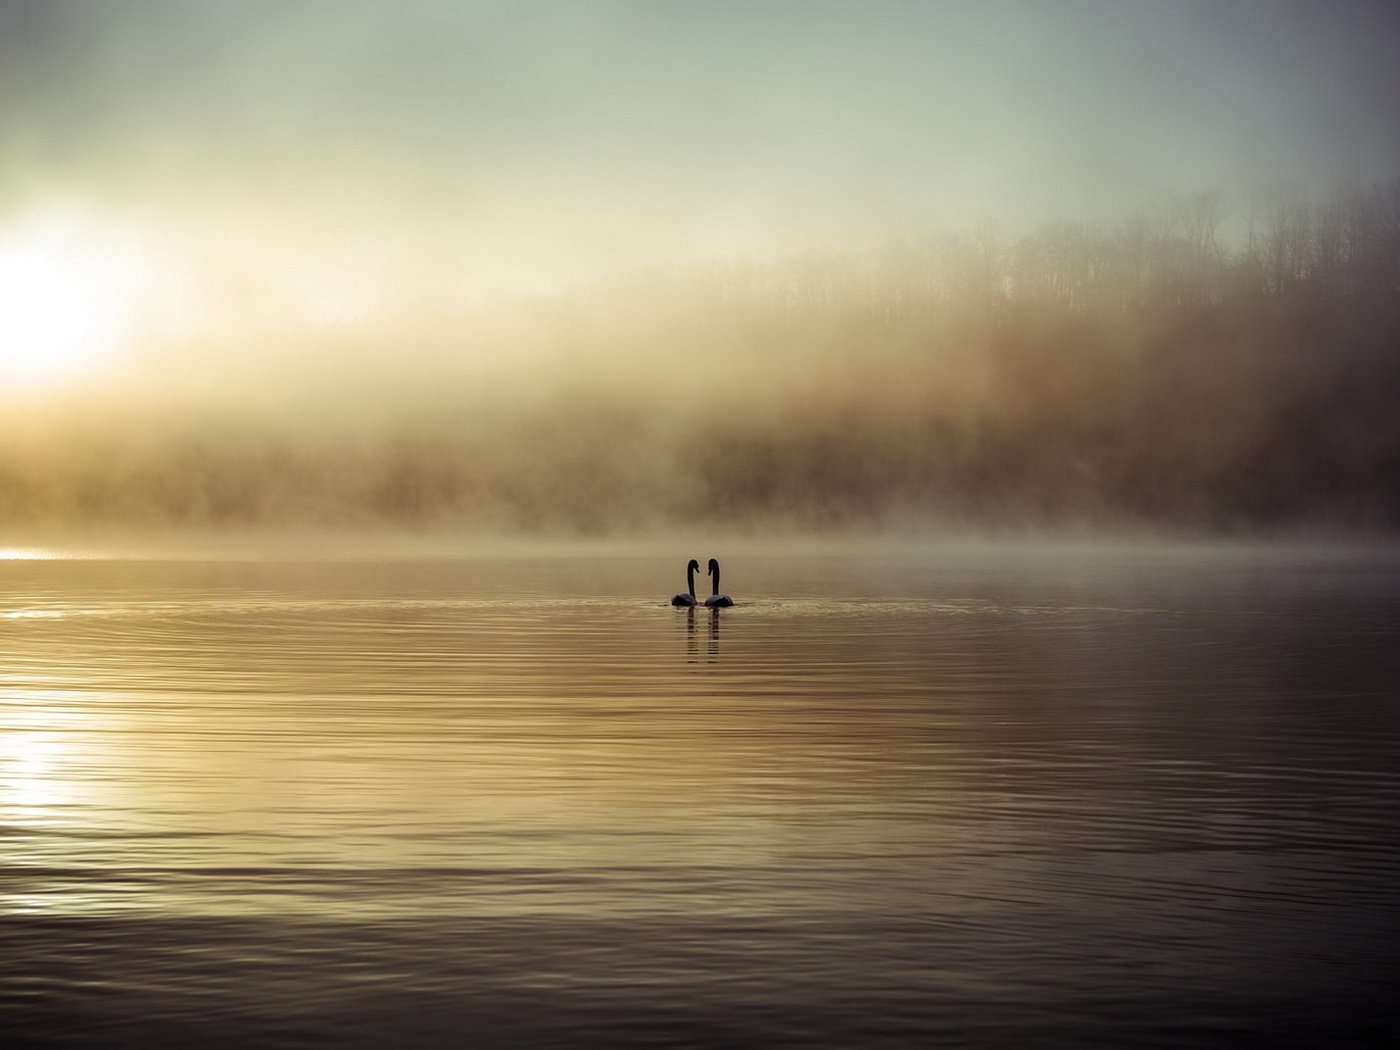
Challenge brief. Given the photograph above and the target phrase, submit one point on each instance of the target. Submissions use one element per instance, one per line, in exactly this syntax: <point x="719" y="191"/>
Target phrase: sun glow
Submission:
<point x="66" y="300"/>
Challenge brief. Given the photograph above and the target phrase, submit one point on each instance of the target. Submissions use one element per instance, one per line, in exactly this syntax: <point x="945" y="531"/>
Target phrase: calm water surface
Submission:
<point x="960" y="796"/>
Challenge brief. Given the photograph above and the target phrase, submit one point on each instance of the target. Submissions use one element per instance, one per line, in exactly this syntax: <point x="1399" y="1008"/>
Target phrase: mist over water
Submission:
<point x="369" y="372"/>
<point x="463" y="267"/>
<point x="1141" y="375"/>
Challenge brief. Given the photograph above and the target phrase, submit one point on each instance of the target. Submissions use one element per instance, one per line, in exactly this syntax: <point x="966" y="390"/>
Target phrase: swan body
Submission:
<point x="688" y="599"/>
<point x="716" y="600"/>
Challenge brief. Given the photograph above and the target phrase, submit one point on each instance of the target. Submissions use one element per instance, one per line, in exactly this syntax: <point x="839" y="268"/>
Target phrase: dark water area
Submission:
<point x="960" y="795"/>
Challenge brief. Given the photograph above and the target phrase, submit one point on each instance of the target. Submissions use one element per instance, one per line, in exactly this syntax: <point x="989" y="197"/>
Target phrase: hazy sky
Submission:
<point x="338" y="154"/>
<point x="244" y="248"/>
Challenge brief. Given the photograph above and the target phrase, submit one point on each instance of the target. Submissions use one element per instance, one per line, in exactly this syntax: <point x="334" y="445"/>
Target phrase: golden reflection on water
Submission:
<point x="461" y="786"/>
<point x="31" y="778"/>
<point x="879" y="800"/>
<point x="27" y="554"/>
<point x="424" y="740"/>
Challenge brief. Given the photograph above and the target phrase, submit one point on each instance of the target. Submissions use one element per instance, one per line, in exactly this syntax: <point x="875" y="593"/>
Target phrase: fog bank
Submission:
<point x="1080" y="378"/>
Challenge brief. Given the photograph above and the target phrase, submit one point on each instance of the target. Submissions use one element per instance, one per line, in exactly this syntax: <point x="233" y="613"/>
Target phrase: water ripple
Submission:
<point x="1138" y="808"/>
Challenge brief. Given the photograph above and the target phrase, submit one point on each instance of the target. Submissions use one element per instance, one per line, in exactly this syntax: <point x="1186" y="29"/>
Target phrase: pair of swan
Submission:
<point x="715" y="600"/>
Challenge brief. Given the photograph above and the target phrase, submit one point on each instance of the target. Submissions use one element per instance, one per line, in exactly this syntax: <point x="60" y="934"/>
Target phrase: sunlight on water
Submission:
<point x="933" y="789"/>
<point x="26" y="554"/>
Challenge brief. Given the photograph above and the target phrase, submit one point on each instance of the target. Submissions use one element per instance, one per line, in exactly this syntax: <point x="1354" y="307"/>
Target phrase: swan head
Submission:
<point x="713" y="570"/>
<point x="694" y="566"/>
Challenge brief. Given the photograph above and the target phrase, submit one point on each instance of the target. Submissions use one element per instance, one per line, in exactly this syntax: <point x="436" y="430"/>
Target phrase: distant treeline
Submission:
<point x="1169" y="253"/>
<point x="1144" y="374"/>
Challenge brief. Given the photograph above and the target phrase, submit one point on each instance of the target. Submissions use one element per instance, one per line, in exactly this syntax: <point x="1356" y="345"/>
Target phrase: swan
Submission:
<point x="716" y="600"/>
<point x="690" y="571"/>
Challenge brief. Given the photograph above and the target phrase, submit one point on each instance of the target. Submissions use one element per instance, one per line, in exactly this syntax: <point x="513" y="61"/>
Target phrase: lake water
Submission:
<point x="957" y="796"/>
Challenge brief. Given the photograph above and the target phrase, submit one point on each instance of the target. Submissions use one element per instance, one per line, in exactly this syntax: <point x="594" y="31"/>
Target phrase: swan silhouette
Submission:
<point x="716" y="600"/>
<point x="690" y="571"/>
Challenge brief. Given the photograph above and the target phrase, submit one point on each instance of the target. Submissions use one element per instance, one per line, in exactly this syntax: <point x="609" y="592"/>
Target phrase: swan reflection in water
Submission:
<point x="715" y="602"/>
<point x="692" y="646"/>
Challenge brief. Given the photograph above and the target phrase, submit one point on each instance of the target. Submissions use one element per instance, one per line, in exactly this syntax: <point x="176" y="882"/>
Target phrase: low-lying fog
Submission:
<point x="1138" y="375"/>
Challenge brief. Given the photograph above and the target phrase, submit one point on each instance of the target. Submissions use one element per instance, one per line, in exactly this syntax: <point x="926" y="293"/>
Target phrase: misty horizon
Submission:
<point x="612" y="268"/>
<point x="1138" y="375"/>
<point x="369" y="371"/>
